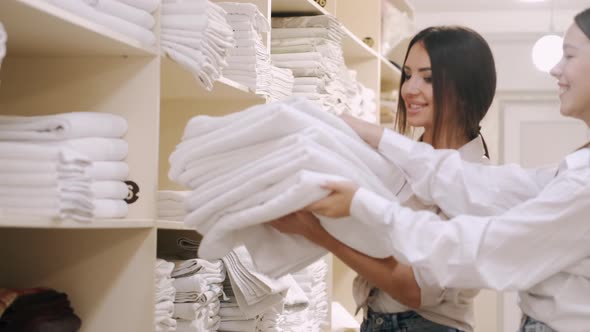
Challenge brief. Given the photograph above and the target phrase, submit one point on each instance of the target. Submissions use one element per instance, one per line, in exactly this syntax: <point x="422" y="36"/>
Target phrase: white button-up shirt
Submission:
<point x="511" y="228"/>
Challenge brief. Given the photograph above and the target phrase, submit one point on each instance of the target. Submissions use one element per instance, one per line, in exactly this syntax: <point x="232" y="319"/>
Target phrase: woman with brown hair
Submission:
<point x="448" y="97"/>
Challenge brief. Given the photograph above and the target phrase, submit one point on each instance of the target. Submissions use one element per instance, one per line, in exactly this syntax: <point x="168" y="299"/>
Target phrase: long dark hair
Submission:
<point x="463" y="81"/>
<point x="583" y="21"/>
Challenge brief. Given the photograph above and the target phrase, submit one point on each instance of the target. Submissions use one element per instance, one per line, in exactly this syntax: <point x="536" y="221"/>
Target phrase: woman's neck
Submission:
<point x="444" y="141"/>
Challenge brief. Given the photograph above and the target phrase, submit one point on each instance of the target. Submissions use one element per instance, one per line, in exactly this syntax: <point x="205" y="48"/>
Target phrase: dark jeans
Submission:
<point x="408" y="321"/>
<point x="529" y="324"/>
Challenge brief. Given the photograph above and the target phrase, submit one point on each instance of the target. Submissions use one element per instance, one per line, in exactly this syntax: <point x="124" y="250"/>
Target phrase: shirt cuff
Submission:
<point x="430" y="295"/>
<point x="366" y="206"/>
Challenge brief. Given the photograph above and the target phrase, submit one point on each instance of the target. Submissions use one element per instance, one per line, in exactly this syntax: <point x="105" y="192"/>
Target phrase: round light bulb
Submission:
<point x="547" y="52"/>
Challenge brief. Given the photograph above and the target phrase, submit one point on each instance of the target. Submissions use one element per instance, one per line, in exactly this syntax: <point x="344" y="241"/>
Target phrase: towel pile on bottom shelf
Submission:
<point x="36" y="309"/>
<point x="260" y="164"/>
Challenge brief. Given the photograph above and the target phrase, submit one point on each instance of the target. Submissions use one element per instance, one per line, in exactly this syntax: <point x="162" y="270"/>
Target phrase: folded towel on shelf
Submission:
<point x="185" y="22"/>
<point x="124" y="11"/>
<point x="148" y="5"/>
<point x="108" y="170"/>
<point x="110" y="208"/>
<point x="191" y="284"/>
<point x="61" y="126"/>
<point x="95" y="148"/>
<point x="109" y="189"/>
<point x="141" y="34"/>
<point x="189" y="267"/>
<point x="315" y="21"/>
<point x="204" y="73"/>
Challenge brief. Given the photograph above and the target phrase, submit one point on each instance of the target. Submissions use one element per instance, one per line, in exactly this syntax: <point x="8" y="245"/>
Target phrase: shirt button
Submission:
<point x="379" y="321"/>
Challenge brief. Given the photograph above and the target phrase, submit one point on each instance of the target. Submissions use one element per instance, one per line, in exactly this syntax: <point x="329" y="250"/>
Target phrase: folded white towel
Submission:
<point x="95" y="148"/>
<point x="191" y="284"/>
<point x="110" y="208"/>
<point x="108" y="170"/>
<point x="143" y="35"/>
<point x="124" y="11"/>
<point x="62" y="126"/>
<point x="185" y="22"/>
<point x="109" y="189"/>
<point x="148" y="5"/>
<point x="189" y="267"/>
<point x="316" y="21"/>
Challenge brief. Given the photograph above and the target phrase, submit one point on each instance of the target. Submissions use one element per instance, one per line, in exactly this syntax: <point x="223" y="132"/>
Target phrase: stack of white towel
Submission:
<point x="171" y="205"/>
<point x="253" y="166"/>
<point x="249" y="61"/>
<point x="3" y="38"/>
<point x="314" y="318"/>
<point x="311" y="47"/>
<point x="199" y="285"/>
<point x="130" y="17"/>
<point x="44" y="181"/>
<point x="196" y="34"/>
<point x="165" y="293"/>
<point x="254" y="292"/>
<point x="97" y="136"/>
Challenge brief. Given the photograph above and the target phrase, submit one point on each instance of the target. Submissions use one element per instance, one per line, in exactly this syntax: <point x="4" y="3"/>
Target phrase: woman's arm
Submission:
<point x="442" y="178"/>
<point x="395" y="279"/>
<point x="512" y="251"/>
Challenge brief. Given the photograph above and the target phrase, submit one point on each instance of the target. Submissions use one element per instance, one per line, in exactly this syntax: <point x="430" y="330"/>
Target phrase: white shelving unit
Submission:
<point x="59" y="62"/>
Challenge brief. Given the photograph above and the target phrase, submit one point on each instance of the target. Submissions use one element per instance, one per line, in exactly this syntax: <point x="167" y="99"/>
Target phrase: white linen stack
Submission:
<point x="312" y="281"/>
<point x="165" y="293"/>
<point x="198" y="284"/>
<point x="196" y="35"/>
<point x="254" y="292"/>
<point x="97" y="136"/>
<point x="249" y="61"/>
<point x="130" y="17"/>
<point x="44" y="181"/>
<point x="253" y="166"/>
<point x="171" y="205"/>
<point x="311" y="47"/>
<point x="3" y="38"/>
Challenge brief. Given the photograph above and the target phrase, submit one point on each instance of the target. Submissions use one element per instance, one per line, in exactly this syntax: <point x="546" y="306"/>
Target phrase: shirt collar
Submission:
<point x="473" y="150"/>
<point x="577" y="159"/>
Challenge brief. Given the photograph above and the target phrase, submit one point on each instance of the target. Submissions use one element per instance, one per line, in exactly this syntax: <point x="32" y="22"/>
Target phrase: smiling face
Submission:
<point x="572" y="74"/>
<point x="416" y="91"/>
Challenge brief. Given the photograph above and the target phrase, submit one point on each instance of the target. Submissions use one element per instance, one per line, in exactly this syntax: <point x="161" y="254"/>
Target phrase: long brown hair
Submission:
<point x="463" y="82"/>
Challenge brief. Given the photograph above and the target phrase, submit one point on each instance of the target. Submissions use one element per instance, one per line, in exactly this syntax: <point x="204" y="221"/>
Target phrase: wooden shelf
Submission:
<point x="298" y="8"/>
<point x="169" y="224"/>
<point x="404" y="6"/>
<point x="399" y="51"/>
<point x="355" y="49"/>
<point x="39" y="222"/>
<point x="35" y="27"/>
<point x="178" y="83"/>
<point x="390" y="75"/>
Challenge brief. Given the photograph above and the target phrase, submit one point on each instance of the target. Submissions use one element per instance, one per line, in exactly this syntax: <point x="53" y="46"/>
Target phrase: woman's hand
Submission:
<point x="369" y="132"/>
<point x="301" y="223"/>
<point x="337" y="204"/>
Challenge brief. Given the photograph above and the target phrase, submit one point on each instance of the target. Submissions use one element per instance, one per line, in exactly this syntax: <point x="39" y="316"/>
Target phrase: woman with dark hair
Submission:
<point x="512" y="228"/>
<point x="448" y="97"/>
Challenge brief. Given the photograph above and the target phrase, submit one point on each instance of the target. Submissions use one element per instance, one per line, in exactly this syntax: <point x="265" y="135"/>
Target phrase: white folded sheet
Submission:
<point x="62" y="126"/>
<point x="189" y="267"/>
<point x="141" y="34"/>
<point x="147" y="5"/>
<point x="124" y="11"/>
<point x="191" y="284"/>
